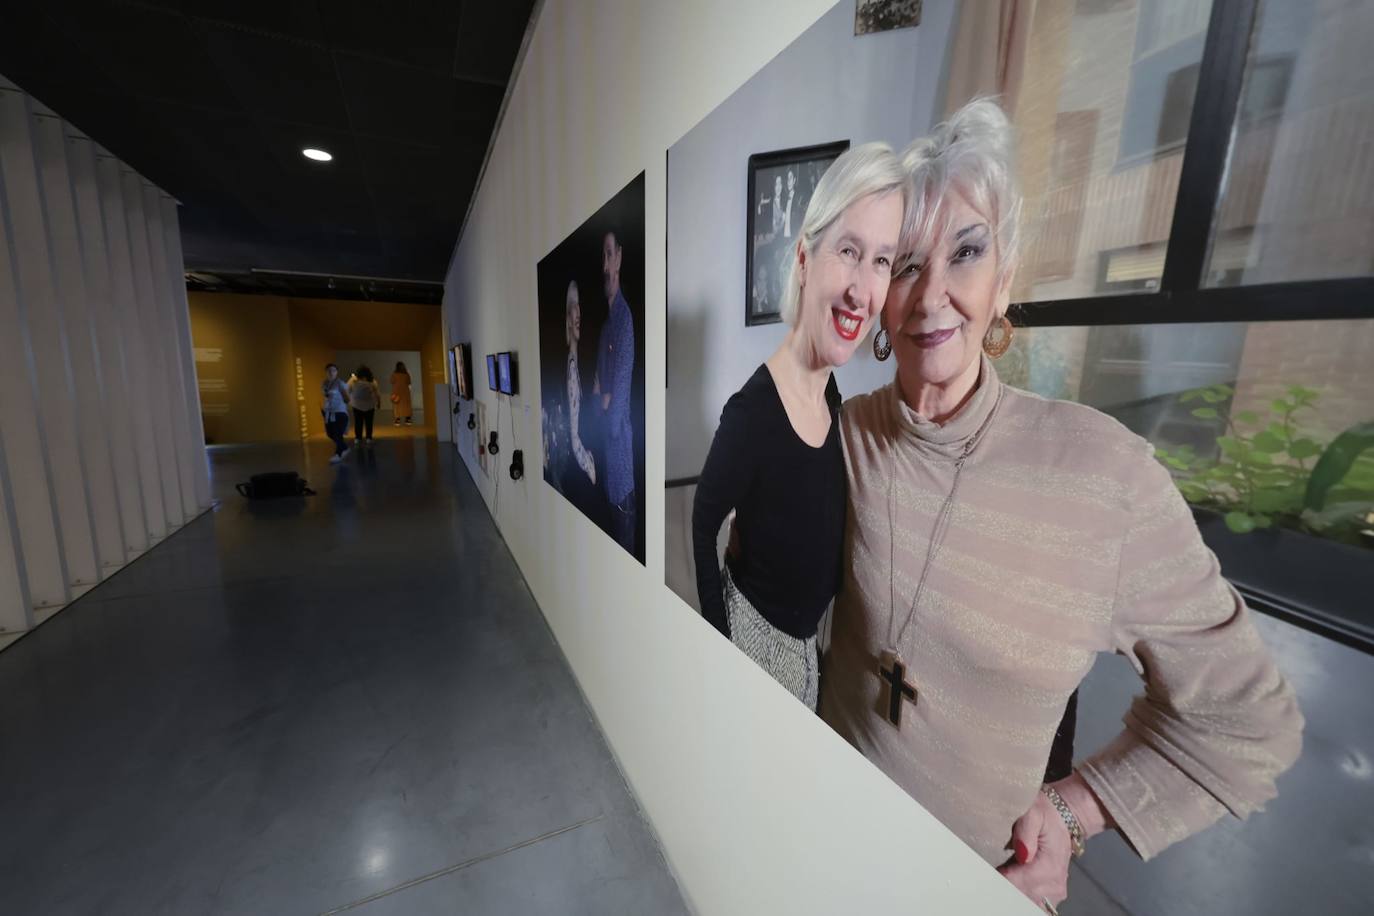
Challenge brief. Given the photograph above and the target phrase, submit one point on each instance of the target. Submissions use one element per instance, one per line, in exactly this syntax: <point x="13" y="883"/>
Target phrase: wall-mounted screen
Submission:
<point x="462" y="370"/>
<point x="507" y="378"/>
<point x="491" y="371"/>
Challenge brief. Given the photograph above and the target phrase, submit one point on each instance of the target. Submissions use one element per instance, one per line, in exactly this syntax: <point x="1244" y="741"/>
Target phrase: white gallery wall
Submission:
<point x="101" y="452"/>
<point x="759" y="806"/>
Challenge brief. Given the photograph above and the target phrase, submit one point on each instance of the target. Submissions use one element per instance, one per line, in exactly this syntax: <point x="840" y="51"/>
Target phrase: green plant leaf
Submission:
<point x="1267" y="442"/>
<point x="1224" y="390"/>
<point x="1280" y="405"/>
<point x="1336" y="461"/>
<point x="1303" y="395"/>
<point x="1248" y="417"/>
<point x="1277" y="499"/>
<point x="1194" y="492"/>
<point x="1205" y="413"/>
<point x="1240" y="522"/>
<point x="1304" y="448"/>
<point x="1192" y="395"/>
<point x="1212" y="397"/>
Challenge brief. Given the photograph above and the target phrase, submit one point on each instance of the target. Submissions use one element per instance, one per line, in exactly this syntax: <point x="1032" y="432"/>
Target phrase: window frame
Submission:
<point x="1183" y="299"/>
<point x="1181" y="296"/>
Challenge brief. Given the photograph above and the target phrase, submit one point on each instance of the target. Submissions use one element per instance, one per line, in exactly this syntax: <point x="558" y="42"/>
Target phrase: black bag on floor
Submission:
<point x="274" y="485"/>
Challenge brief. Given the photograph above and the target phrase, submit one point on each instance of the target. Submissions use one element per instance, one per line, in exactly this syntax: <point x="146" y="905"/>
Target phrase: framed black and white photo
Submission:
<point x="872" y="16"/>
<point x="780" y="188"/>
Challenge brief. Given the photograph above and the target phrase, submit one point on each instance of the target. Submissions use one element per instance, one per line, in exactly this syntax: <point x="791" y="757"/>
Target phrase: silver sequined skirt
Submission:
<point x="792" y="662"/>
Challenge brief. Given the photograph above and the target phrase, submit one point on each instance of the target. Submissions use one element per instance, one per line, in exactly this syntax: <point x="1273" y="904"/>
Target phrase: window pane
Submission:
<point x="1298" y="201"/>
<point x="1241" y="412"/>
<point x="1102" y="117"/>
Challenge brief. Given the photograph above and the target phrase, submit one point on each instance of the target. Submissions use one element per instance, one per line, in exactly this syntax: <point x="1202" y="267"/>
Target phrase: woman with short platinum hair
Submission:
<point x="775" y="460"/>
<point x="998" y="541"/>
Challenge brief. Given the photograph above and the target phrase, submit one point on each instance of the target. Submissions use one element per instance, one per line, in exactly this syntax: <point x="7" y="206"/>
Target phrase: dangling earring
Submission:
<point x="882" y="345"/>
<point x="994" y="347"/>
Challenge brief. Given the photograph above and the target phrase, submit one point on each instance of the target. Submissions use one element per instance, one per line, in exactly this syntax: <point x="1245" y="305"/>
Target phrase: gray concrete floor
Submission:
<point x="350" y="703"/>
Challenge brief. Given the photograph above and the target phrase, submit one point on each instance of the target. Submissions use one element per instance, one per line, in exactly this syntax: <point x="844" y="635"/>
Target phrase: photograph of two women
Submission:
<point x="972" y="547"/>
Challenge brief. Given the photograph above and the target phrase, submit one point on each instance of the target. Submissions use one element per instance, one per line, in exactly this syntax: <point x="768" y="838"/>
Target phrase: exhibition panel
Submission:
<point x="107" y="342"/>
<point x="50" y="145"/>
<point x="124" y="301"/>
<point x="46" y="326"/>
<point x="103" y="453"/>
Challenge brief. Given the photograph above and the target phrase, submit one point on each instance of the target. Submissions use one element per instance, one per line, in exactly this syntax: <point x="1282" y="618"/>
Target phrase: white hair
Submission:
<point x="972" y="154"/>
<point x="571" y="297"/>
<point x="871" y="168"/>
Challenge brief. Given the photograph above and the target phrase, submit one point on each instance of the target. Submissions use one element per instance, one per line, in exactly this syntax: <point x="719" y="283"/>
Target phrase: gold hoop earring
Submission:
<point x="995" y="347"/>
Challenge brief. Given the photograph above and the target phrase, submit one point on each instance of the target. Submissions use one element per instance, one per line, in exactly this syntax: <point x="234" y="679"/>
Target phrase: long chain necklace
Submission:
<point x="891" y="669"/>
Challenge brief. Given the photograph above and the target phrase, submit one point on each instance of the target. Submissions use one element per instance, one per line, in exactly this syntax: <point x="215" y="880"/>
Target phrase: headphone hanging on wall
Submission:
<point x="472" y="421"/>
<point x="492" y="447"/>
<point x="517" y="465"/>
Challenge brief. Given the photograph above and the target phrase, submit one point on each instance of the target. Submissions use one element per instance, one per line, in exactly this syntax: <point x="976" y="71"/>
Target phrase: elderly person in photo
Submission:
<point x="997" y="541"/>
<point x="776" y="460"/>
<point x="572" y="330"/>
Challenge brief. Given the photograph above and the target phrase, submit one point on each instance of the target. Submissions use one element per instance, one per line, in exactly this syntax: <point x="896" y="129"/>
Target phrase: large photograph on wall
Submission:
<point x="591" y="356"/>
<point x="921" y="534"/>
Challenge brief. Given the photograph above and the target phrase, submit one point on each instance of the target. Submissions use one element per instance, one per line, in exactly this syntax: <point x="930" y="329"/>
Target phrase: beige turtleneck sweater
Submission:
<point x="1066" y="538"/>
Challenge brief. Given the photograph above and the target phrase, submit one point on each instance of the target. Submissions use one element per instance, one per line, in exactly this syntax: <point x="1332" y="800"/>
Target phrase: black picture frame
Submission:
<point x="762" y="299"/>
<point x="462" y="370"/>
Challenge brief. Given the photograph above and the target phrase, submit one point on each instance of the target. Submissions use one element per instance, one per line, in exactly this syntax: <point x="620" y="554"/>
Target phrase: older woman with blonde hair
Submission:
<point x="776" y="460"/>
<point x="997" y="542"/>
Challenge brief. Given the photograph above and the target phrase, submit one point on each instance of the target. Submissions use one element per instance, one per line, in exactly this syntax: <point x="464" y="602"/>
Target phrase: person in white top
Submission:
<point x="365" y="397"/>
<point x="573" y="331"/>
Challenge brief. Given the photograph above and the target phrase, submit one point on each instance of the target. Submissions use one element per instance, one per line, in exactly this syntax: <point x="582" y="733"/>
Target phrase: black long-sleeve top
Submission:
<point x="789" y="501"/>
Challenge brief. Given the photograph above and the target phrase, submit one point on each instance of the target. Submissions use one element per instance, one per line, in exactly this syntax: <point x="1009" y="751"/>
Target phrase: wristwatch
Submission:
<point x="1070" y="820"/>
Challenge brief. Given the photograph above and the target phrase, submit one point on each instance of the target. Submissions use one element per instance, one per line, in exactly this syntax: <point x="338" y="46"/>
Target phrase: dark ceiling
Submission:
<point x="213" y="102"/>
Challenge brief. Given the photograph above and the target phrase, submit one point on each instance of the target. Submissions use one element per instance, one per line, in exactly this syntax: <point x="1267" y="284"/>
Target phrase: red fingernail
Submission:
<point x="1022" y="853"/>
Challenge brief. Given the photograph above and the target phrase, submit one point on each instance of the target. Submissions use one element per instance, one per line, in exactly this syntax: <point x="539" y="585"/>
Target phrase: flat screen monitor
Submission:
<point x="491" y="371"/>
<point x="506" y="375"/>
<point x="462" y="370"/>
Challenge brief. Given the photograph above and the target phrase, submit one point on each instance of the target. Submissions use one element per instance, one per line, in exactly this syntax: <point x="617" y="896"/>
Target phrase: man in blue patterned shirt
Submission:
<point x="615" y="371"/>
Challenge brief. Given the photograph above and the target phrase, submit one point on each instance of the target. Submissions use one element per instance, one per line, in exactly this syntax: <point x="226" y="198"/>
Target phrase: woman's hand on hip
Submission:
<point x="1041" y="844"/>
<point x="1041" y="853"/>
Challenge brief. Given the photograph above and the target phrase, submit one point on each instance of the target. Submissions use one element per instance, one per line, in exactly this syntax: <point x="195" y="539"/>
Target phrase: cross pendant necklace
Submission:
<point x="893" y="673"/>
<point x="891" y="669"/>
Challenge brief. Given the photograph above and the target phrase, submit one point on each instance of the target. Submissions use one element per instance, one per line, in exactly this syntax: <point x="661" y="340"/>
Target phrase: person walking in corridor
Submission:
<point x="335" y="411"/>
<point x="364" y="395"/>
<point x="400" y="395"/>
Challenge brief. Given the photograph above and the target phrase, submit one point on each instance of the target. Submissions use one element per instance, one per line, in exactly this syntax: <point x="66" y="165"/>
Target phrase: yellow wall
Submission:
<point x="244" y="367"/>
<point x="248" y="349"/>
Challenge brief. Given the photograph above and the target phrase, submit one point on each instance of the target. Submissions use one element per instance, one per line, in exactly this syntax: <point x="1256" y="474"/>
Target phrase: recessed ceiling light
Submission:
<point x="318" y="155"/>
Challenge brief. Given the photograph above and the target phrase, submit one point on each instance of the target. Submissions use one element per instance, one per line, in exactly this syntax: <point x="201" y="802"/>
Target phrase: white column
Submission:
<point x="40" y="309"/>
<point x="108" y="345"/>
<point x="171" y="349"/>
<point x="110" y="179"/>
<point x="16" y="607"/>
<point x="145" y="296"/>
<point x="171" y="227"/>
<point x="50" y="148"/>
